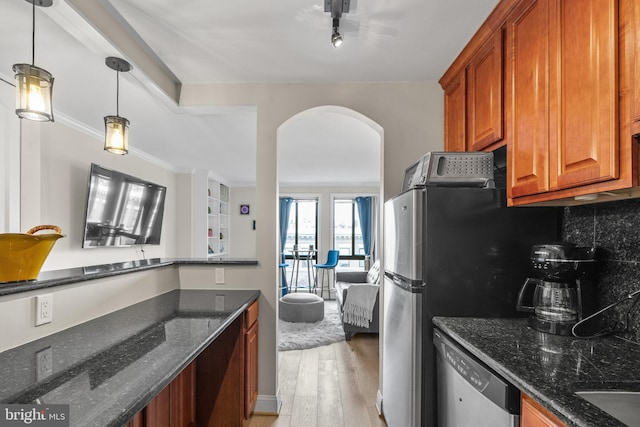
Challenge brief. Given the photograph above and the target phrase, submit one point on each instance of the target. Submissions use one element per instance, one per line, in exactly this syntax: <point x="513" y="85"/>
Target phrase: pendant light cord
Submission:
<point x="118" y="93"/>
<point x="33" y="32"/>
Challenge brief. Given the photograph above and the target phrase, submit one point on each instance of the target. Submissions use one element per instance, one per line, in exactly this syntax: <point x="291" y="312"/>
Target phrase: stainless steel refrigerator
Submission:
<point x="447" y="252"/>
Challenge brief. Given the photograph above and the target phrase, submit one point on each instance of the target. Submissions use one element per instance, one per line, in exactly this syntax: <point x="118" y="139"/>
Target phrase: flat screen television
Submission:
<point x="122" y="210"/>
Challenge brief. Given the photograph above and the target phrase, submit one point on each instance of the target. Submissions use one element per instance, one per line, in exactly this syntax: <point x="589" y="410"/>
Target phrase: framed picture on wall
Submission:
<point x="244" y="209"/>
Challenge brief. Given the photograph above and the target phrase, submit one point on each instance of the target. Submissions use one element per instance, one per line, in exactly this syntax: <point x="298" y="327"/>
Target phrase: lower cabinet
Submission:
<point x="251" y="359"/>
<point x="219" y="388"/>
<point x="532" y="414"/>
<point x="174" y="406"/>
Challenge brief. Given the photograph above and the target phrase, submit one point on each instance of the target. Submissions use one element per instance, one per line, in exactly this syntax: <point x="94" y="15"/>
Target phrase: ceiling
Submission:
<point x="212" y="41"/>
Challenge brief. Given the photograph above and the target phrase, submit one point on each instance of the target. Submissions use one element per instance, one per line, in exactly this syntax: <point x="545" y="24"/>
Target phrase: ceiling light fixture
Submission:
<point x="34" y="85"/>
<point x="336" y="8"/>
<point x="336" y="37"/>
<point x="116" y="128"/>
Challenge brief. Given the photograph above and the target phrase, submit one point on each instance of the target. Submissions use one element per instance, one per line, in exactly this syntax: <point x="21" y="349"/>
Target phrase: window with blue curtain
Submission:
<point x="302" y="229"/>
<point x="352" y="230"/>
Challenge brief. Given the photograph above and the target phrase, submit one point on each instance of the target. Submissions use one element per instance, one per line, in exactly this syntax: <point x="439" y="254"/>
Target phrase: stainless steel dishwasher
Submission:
<point x="469" y="393"/>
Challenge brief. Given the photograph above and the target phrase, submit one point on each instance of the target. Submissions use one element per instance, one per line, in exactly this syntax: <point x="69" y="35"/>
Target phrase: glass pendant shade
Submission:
<point x="34" y="93"/>
<point x="116" y="130"/>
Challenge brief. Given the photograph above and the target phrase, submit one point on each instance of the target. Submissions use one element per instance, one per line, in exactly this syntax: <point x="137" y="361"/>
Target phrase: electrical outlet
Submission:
<point x="44" y="363"/>
<point x="44" y="309"/>
<point x="219" y="275"/>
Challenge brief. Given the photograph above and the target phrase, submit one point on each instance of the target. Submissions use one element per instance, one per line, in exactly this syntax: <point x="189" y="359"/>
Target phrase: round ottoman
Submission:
<point x="303" y="307"/>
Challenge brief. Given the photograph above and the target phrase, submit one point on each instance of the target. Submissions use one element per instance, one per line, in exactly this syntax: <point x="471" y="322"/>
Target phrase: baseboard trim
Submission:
<point x="268" y="404"/>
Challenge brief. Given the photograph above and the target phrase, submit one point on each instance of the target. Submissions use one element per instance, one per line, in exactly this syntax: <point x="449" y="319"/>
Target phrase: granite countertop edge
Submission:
<point x="148" y="384"/>
<point x="50" y="279"/>
<point x="137" y="406"/>
<point x="562" y="402"/>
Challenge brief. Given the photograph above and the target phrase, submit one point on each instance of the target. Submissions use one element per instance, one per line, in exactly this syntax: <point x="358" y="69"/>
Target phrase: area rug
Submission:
<point x="300" y="336"/>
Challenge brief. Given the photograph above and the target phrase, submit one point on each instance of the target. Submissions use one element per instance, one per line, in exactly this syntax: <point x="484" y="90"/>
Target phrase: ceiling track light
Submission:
<point x="116" y="128"/>
<point x="336" y="8"/>
<point x="34" y="85"/>
<point x="336" y="37"/>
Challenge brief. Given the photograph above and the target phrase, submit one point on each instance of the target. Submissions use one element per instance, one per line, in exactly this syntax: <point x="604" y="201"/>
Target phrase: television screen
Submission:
<point x="122" y="210"/>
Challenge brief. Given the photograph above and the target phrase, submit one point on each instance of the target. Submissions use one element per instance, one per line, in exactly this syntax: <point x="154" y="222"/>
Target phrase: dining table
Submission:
<point x="306" y="255"/>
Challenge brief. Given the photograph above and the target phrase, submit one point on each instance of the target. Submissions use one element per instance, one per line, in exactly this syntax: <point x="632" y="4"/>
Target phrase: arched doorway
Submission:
<point x="323" y="153"/>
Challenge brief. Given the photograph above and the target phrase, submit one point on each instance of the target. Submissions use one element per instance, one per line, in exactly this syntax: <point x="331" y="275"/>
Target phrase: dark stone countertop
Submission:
<point x="550" y="368"/>
<point x="109" y="368"/>
<point x="49" y="279"/>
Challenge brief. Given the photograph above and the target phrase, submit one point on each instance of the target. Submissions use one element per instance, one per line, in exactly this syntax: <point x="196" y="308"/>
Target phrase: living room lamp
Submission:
<point x="116" y="128"/>
<point x="34" y="85"/>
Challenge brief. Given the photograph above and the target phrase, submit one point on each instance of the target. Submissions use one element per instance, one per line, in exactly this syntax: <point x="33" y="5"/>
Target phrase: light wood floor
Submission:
<point x="329" y="386"/>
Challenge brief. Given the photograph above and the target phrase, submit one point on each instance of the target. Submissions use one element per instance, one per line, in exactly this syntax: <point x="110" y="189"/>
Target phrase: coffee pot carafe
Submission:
<point x="561" y="293"/>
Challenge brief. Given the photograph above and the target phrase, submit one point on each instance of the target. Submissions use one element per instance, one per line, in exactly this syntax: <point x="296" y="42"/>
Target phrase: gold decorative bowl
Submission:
<point x="22" y="255"/>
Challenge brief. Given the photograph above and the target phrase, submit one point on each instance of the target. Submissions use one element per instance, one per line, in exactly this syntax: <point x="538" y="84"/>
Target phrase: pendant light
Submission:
<point x="116" y="128"/>
<point x="34" y="85"/>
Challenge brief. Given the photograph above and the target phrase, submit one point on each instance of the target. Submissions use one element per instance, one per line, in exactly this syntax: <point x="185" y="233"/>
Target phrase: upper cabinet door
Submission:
<point x="583" y="138"/>
<point x="527" y="98"/>
<point x="485" y="98"/>
<point x="455" y="113"/>
<point x="633" y="23"/>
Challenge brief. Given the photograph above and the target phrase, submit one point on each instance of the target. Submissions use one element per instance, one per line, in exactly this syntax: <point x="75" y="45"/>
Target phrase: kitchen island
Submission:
<point x="551" y="368"/>
<point x="110" y="368"/>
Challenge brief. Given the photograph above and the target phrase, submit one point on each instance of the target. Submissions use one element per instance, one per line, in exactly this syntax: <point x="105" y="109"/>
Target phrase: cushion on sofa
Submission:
<point x="374" y="273"/>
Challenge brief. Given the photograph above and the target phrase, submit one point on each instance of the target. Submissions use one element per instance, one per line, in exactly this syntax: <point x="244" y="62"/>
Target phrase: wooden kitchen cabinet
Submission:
<point x="455" y="122"/>
<point x="561" y="95"/>
<point x="219" y="388"/>
<point x="527" y="96"/>
<point x="183" y="398"/>
<point x="473" y="100"/>
<point x="532" y="414"/>
<point x="485" y="94"/>
<point x="571" y="92"/>
<point x="174" y="406"/>
<point x="474" y="88"/>
<point x="251" y="359"/>
<point x="631" y="39"/>
<point x="137" y="420"/>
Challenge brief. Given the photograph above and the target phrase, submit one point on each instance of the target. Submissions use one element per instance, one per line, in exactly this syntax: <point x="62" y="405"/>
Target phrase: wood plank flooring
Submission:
<point x="329" y="386"/>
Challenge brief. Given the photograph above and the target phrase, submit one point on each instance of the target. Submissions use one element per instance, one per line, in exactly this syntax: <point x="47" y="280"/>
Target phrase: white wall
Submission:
<point x="55" y="170"/>
<point x="243" y="236"/>
<point x="9" y="161"/>
<point x="80" y="302"/>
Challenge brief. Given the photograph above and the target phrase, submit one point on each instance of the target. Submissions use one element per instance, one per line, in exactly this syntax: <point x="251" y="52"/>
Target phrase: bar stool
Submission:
<point x="330" y="265"/>
<point x="283" y="270"/>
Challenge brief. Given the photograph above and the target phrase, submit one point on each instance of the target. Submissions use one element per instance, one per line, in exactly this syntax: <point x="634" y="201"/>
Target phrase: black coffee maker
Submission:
<point x="562" y="291"/>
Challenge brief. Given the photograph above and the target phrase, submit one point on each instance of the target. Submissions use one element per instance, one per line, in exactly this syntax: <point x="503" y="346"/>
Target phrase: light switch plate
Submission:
<point x="219" y="276"/>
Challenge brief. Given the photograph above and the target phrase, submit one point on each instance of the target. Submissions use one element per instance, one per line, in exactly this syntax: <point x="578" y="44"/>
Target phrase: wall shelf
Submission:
<point x="211" y="222"/>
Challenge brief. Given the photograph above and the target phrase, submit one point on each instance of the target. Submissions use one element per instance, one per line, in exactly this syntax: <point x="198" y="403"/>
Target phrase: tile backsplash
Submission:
<point x="614" y="228"/>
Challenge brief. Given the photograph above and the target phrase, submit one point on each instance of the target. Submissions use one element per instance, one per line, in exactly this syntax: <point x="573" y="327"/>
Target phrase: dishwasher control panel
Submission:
<point x="475" y="373"/>
<point x="475" y="377"/>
